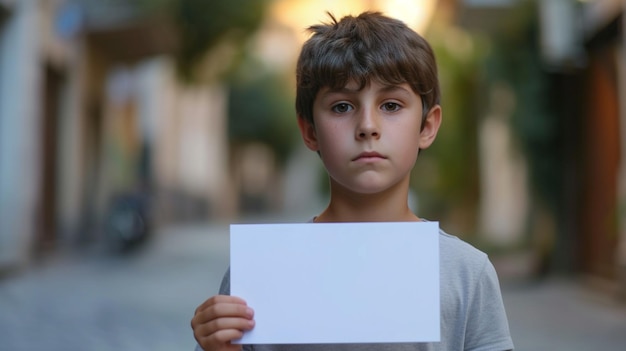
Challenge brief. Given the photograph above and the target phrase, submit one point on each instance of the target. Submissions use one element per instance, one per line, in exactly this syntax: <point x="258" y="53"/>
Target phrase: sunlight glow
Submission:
<point x="415" y="13"/>
<point x="299" y="14"/>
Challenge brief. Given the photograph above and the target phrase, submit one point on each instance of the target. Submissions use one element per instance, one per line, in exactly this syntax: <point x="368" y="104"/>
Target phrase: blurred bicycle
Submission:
<point x="127" y="224"/>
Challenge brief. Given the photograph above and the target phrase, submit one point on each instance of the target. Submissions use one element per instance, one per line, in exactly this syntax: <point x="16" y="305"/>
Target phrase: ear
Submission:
<point x="430" y="127"/>
<point x="309" y="136"/>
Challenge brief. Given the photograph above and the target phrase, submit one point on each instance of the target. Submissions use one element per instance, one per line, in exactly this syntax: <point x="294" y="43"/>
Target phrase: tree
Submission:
<point x="203" y="25"/>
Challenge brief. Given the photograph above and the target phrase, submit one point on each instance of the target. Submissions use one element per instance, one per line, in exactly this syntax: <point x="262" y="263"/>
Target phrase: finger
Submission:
<point x="220" y="299"/>
<point x="222" y="310"/>
<point x="221" y="338"/>
<point x="214" y="331"/>
<point x="228" y="323"/>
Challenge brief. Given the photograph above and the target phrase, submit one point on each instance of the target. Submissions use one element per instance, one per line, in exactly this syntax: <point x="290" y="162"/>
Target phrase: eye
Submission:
<point x="341" y="108"/>
<point x="390" y="106"/>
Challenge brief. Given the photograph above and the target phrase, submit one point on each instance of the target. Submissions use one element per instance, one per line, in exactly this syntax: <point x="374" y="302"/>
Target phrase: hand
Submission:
<point x="219" y="320"/>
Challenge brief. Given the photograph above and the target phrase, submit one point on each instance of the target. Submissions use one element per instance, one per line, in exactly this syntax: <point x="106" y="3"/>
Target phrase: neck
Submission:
<point x="390" y="205"/>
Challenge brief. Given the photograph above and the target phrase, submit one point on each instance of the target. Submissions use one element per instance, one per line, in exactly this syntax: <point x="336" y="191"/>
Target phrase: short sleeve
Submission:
<point x="225" y="285"/>
<point x="487" y="324"/>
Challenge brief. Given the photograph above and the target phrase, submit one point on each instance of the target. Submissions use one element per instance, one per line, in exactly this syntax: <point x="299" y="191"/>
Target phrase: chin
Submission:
<point x="369" y="188"/>
<point x="367" y="184"/>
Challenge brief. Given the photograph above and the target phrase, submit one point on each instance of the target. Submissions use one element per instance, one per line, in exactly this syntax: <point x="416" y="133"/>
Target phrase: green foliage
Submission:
<point x="446" y="174"/>
<point x="261" y="109"/>
<point x="202" y="25"/>
<point x="260" y="105"/>
<point x="516" y="60"/>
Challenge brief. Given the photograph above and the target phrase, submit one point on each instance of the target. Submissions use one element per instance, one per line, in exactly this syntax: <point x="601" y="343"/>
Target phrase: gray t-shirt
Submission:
<point x="472" y="312"/>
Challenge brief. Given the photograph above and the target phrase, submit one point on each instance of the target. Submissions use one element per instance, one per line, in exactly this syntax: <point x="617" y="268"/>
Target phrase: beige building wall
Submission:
<point x="67" y="56"/>
<point x="186" y="124"/>
<point x="201" y="156"/>
<point x="503" y="174"/>
<point x="20" y="78"/>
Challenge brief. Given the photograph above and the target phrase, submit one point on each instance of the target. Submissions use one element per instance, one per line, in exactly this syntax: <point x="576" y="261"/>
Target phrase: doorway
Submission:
<point x="47" y="226"/>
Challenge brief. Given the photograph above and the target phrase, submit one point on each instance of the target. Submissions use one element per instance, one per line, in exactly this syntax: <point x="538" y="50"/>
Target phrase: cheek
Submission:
<point x="407" y="139"/>
<point x="334" y="147"/>
<point x="330" y="138"/>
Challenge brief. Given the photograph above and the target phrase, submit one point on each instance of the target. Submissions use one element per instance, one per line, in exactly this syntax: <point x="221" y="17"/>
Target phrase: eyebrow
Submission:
<point x="384" y="89"/>
<point x="393" y="88"/>
<point x="343" y="90"/>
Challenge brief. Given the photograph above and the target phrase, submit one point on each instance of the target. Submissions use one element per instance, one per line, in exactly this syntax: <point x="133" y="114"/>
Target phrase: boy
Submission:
<point x="367" y="102"/>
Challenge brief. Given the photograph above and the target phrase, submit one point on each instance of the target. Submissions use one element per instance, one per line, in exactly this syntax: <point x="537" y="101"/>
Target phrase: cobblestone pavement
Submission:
<point x="101" y="302"/>
<point x="564" y="314"/>
<point x="145" y="301"/>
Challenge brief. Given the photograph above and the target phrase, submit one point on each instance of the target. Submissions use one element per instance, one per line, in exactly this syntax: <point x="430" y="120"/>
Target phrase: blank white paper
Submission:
<point x="338" y="282"/>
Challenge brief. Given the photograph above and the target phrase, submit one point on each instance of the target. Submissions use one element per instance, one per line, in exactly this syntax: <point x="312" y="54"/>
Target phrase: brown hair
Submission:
<point x="369" y="46"/>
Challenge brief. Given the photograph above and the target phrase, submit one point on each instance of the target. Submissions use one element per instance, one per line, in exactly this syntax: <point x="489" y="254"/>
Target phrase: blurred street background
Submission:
<point x="133" y="132"/>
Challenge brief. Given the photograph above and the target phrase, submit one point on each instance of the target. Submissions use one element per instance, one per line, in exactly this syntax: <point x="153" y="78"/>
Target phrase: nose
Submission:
<point x="368" y="125"/>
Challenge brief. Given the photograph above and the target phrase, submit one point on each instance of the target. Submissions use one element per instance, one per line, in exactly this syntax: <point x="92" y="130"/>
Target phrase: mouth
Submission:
<point x="369" y="156"/>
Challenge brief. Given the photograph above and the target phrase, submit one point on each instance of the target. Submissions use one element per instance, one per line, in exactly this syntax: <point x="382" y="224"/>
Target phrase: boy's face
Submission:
<point x="369" y="139"/>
